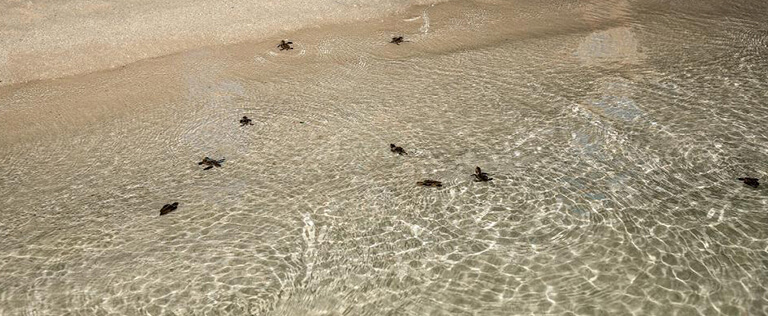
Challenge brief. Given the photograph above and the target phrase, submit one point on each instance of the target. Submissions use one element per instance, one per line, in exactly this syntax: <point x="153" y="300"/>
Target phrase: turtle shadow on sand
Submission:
<point x="210" y="163"/>
<point x="430" y="183"/>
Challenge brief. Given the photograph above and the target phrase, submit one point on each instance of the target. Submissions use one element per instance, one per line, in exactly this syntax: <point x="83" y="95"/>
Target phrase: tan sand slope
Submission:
<point x="50" y="39"/>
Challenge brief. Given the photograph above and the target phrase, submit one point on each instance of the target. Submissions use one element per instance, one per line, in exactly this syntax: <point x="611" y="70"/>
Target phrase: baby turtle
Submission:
<point x="397" y="40"/>
<point x="210" y="163"/>
<point x="481" y="176"/>
<point x="245" y="121"/>
<point x="397" y="149"/>
<point x="430" y="183"/>
<point x="750" y="182"/>
<point x="284" y="45"/>
<point x="169" y="208"/>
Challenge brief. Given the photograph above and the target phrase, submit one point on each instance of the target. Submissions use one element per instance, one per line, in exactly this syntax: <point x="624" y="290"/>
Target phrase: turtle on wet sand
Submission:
<point x="397" y="149"/>
<point x="481" y="176"/>
<point x="169" y="208"/>
<point x="753" y="182"/>
<point x="245" y="121"/>
<point x="430" y="183"/>
<point x="397" y="40"/>
<point x="284" y="45"/>
<point x="210" y="163"/>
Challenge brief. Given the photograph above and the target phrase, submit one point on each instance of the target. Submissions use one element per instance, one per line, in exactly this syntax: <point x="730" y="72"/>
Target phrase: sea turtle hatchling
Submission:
<point x="397" y="149"/>
<point x="245" y="121"/>
<point x="169" y="208"/>
<point x="752" y="182"/>
<point x="481" y="176"/>
<point x="284" y="45"/>
<point x="397" y="40"/>
<point x="210" y="163"/>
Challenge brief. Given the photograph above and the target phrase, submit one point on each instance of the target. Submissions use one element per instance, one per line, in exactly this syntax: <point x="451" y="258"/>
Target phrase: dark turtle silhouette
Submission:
<point x="397" y="149"/>
<point x="397" y="40"/>
<point x="245" y="121"/>
<point x="753" y="182"/>
<point x="430" y="183"/>
<point x="284" y="45"/>
<point x="169" y="208"/>
<point x="481" y="176"/>
<point x="210" y="163"/>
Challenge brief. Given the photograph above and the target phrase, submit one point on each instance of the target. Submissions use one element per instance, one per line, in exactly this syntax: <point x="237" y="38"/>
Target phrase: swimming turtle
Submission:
<point x="210" y="163"/>
<point x="753" y="182"/>
<point x="245" y="121"/>
<point x="284" y="45"/>
<point x="397" y="40"/>
<point x="397" y="149"/>
<point x="481" y="176"/>
<point x="169" y="208"/>
<point x="430" y="183"/>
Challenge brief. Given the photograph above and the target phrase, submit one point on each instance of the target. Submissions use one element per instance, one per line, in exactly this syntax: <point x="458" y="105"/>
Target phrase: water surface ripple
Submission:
<point x="614" y="138"/>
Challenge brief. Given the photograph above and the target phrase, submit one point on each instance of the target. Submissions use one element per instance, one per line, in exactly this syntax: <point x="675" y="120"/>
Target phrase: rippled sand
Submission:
<point x="614" y="132"/>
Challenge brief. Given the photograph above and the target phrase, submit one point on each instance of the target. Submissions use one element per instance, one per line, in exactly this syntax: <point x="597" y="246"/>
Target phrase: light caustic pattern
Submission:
<point x="614" y="153"/>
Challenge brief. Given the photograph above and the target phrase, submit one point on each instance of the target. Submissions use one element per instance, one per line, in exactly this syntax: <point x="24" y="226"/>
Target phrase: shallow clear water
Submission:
<point x="614" y="137"/>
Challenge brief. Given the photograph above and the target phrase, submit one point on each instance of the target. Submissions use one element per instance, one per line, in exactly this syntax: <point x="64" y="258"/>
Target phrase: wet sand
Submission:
<point x="47" y="40"/>
<point x="614" y="133"/>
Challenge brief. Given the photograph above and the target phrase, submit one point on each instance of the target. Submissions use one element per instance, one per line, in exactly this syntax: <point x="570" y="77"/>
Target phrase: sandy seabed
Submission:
<point x="614" y="132"/>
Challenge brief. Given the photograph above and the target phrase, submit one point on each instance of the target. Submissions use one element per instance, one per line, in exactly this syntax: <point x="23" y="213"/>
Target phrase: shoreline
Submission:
<point x="35" y="46"/>
<point x="140" y="87"/>
<point x="613" y="133"/>
<point x="135" y="87"/>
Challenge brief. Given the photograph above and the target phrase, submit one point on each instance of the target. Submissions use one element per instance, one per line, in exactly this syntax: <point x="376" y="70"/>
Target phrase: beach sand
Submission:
<point x="46" y="40"/>
<point x="149" y="83"/>
<point x="613" y="131"/>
